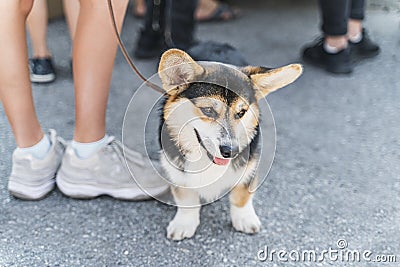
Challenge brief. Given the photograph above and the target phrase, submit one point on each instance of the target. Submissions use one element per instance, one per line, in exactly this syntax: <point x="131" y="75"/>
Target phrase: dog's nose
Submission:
<point x="228" y="151"/>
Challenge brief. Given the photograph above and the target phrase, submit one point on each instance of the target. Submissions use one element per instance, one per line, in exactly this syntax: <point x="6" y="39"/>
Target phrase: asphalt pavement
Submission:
<point x="334" y="184"/>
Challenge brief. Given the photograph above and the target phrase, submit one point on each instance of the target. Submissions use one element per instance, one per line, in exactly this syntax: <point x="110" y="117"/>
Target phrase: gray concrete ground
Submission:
<point x="335" y="175"/>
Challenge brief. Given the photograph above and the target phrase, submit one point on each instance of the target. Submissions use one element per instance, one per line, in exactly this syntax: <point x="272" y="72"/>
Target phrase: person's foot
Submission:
<point x="338" y="63"/>
<point x="32" y="178"/>
<point x="211" y="10"/>
<point x="106" y="173"/>
<point x="365" y="48"/>
<point x="42" y="70"/>
<point x="150" y="45"/>
<point x="139" y="9"/>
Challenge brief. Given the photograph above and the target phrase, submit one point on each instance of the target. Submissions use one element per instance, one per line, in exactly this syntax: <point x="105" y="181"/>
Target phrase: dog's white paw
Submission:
<point x="245" y="219"/>
<point x="245" y="224"/>
<point x="182" y="227"/>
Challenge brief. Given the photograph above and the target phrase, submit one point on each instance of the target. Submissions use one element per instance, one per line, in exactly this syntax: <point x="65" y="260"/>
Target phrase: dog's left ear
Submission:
<point x="267" y="80"/>
<point x="177" y="68"/>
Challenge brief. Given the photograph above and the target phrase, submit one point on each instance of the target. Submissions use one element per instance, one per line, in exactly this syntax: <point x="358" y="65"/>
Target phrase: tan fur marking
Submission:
<point x="239" y="195"/>
<point x="214" y="101"/>
<point x="209" y="100"/>
<point x="176" y="192"/>
<point x="250" y="70"/>
<point x="201" y="116"/>
<point x="238" y="105"/>
<point x="252" y="111"/>
<point x="180" y="193"/>
<point x="168" y="104"/>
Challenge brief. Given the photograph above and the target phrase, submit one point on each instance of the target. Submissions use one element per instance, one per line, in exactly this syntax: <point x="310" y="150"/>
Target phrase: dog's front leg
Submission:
<point x="187" y="217"/>
<point x="243" y="215"/>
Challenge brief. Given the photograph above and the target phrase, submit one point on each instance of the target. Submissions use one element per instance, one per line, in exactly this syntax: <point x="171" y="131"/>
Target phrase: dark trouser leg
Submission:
<point x="155" y="15"/>
<point x="166" y="21"/>
<point x="151" y="41"/>
<point x="335" y="15"/>
<point x="357" y="10"/>
<point x="181" y="23"/>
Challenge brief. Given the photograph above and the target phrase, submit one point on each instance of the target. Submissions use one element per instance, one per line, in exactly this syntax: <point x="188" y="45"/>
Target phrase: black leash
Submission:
<point x="126" y="55"/>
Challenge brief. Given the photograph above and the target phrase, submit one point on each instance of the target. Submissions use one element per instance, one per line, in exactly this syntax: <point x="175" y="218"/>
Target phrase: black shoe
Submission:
<point x="150" y="45"/>
<point x="366" y="48"/>
<point x="41" y="70"/>
<point x="339" y="63"/>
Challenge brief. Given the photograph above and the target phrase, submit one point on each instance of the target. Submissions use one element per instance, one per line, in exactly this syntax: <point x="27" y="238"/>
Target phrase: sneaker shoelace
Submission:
<point x="124" y="153"/>
<point x="62" y="141"/>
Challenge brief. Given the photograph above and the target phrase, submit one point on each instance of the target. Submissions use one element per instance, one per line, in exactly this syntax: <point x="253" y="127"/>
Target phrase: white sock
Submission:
<point x="331" y="49"/>
<point x="356" y="38"/>
<point x="86" y="150"/>
<point x="39" y="150"/>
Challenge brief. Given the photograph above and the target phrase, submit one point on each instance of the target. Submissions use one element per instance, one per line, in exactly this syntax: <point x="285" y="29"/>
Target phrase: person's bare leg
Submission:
<point x="205" y="8"/>
<point x="71" y="9"/>
<point x="338" y="42"/>
<point x="354" y="28"/>
<point x="15" y="86"/>
<point x="139" y="8"/>
<point x="95" y="48"/>
<point x="94" y="51"/>
<point x="37" y="25"/>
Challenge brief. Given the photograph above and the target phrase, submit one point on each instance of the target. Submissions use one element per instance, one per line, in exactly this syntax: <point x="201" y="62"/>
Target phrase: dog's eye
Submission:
<point x="240" y="114"/>
<point x="209" y="112"/>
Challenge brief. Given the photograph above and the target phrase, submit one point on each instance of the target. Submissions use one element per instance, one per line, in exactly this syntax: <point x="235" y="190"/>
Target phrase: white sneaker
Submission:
<point x="32" y="178"/>
<point x="106" y="173"/>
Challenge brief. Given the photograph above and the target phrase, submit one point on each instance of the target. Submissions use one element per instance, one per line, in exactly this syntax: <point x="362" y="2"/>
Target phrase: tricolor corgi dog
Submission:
<point x="210" y="133"/>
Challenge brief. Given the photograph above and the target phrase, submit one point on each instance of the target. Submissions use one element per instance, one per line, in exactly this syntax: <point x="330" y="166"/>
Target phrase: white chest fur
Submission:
<point x="209" y="180"/>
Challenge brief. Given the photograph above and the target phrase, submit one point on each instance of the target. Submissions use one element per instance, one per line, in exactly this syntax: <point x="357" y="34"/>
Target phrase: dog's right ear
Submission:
<point x="177" y="68"/>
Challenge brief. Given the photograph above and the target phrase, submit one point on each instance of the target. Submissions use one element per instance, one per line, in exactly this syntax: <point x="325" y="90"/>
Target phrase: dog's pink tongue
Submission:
<point x="220" y="161"/>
